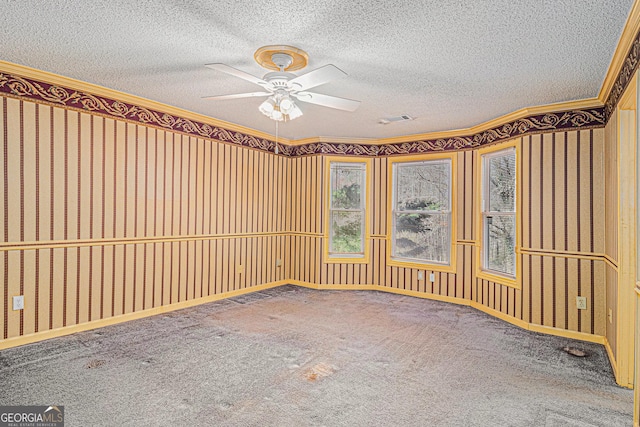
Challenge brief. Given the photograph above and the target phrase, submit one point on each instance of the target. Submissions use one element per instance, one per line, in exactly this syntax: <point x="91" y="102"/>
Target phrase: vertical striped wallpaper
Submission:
<point x="611" y="182"/>
<point x="102" y="217"/>
<point x="563" y="235"/>
<point x="563" y="187"/>
<point x="563" y="219"/>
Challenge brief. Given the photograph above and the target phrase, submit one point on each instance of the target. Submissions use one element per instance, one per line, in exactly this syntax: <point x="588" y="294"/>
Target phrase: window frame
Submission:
<point x="392" y="260"/>
<point x="482" y="271"/>
<point x="343" y="257"/>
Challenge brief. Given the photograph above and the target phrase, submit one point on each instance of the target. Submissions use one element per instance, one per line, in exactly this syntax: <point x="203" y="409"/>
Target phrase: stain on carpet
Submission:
<point x="318" y="371"/>
<point x="95" y="363"/>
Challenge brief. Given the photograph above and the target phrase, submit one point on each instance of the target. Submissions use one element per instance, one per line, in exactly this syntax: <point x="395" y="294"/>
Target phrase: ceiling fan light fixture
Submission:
<point x="267" y="106"/>
<point x="295" y="112"/>
<point x="286" y="105"/>
<point x="280" y="108"/>
<point x="277" y="115"/>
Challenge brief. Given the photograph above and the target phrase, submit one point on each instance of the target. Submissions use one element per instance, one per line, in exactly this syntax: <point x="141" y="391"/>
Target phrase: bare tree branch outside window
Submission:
<point x="422" y="211"/>
<point x="499" y="212"/>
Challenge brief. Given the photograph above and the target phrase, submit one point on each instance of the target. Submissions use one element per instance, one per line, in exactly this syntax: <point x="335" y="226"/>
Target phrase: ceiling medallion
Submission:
<point x="264" y="57"/>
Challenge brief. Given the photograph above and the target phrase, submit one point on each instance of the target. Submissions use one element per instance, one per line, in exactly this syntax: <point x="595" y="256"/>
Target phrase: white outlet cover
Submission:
<point x="581" y="302"/>
<point x="18" y="302"/>
<point x="420" y="275"/>
<point x="432" y="277"/>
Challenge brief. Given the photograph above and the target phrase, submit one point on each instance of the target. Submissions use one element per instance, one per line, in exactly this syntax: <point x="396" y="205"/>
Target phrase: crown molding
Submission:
<point x="623" y="49"/>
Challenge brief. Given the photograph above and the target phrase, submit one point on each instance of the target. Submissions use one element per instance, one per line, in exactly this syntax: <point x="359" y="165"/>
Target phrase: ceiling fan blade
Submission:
<point x="327" y="101"/>
<point x="237" y="95"/>
<point x="316" y="77"/>
<point x="237" y="73"/>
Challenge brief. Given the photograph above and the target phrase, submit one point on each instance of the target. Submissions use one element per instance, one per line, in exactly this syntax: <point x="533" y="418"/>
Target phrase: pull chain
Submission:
<point x="276" y="148"/>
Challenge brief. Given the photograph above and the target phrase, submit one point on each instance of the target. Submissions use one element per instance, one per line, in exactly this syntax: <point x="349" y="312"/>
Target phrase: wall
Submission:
<point x="106" y="217"/>
<point x="563" y="230"/>
<point x="103" y="217"/>
<point x="611" y="226"/>
<point x="563" y="235"/>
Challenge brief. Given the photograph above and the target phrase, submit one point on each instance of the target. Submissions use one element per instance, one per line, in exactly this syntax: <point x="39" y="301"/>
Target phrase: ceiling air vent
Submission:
<point x="401" y="118"/>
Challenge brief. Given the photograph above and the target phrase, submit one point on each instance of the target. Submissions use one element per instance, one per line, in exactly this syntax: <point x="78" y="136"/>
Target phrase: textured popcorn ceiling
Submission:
<point x="452" y="64"/>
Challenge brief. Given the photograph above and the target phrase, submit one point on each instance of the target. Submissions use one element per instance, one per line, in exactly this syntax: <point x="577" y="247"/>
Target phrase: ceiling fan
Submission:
<point x="283" y="87"/>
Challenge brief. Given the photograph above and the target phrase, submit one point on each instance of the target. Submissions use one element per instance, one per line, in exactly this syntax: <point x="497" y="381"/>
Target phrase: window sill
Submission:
<point x="346" y="260"/>
<point x="421" y="266"/>
<point x="499" y="279"/>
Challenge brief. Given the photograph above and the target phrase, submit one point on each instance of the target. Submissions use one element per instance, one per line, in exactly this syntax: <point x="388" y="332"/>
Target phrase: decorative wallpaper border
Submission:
<point x="39" y="91"/>
<point x="550" y="122"/>
<point x="629" y="67"/>
<point x="20" y="87"/>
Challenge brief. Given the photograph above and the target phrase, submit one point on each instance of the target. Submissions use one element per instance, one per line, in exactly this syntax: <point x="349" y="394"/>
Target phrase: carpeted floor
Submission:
<point x="292" y="356"/>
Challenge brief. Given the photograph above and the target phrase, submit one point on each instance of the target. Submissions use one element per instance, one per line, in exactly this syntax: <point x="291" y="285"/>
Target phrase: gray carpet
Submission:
<point x="291" y="356"/>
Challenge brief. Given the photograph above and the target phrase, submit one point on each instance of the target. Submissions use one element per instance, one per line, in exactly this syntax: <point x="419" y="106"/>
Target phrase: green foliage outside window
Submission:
<point x="347" y="196"/>
<point x="347" y="235"/>
<point x="346" y="211"/>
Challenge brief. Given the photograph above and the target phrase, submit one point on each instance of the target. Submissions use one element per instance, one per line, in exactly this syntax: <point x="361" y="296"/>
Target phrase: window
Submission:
<point x="347" y="202"/>
<point x="499" y="212"/>
<point x="421" y="212"/>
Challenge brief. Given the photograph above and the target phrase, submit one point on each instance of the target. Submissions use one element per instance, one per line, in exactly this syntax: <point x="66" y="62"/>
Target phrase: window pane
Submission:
<point x="501" y="238"/>
<point x="346" y="232"/>
<point x="423" y="237"/>
<point x="346" y="181"/>
<point x="423" y="186"/>
<point x="502" y="183"/>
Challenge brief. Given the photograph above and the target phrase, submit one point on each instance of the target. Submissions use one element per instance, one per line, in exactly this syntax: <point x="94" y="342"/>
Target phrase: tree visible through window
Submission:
<point x="499" y="212"/>
<point x="421" y="211"/>
<point x="347" y="209"/>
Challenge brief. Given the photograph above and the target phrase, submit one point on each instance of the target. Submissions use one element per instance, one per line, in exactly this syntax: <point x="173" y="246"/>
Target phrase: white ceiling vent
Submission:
<point x="401" y="118"/>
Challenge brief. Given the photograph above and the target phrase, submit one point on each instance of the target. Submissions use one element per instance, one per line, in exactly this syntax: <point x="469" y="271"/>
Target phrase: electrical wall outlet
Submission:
<point x="610" y="316"/>
<point x="278" y="262"/>
<point x="432" y="277"/>
<point x="420" y="275"/>
<point x="240" y="269"/>
<point x="18" y="302"/>
<point x="581" y="302"/>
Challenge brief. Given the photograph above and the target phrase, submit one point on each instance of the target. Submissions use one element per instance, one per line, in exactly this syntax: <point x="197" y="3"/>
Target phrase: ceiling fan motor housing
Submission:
<point x="279" y="79"/>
